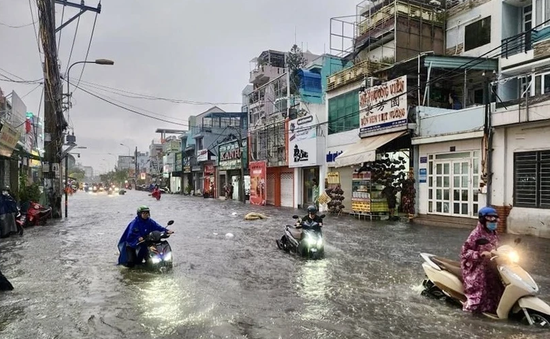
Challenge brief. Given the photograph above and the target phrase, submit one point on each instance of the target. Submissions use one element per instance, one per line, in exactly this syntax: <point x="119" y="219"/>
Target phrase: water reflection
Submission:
<point x="167" y="303"/>
<point x="312" y="284"/>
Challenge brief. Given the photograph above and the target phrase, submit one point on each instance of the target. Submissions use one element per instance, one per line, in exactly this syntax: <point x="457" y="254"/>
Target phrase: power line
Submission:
<point x="61" y="31"/>
<point x="72" y="46"/>
<point x="88" y="51"/>
<point x="20" y="26"/>
<point x="135" y="107"/>
<point x="35" y="31"/>
<point x="129" y="109"/>
<point x="134" y="95"/>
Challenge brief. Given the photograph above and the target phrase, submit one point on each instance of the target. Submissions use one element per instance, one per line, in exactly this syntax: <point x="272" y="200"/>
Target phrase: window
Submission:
<point x="542" y="12"/>
<point x="343" y="112"/>
<point x="532" y="179"/>
<point x="477" y="34"/>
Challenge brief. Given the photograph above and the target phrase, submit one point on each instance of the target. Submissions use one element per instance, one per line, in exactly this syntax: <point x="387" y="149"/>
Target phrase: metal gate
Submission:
<point x="287" y="189"/>
<point x="271" y="188"/>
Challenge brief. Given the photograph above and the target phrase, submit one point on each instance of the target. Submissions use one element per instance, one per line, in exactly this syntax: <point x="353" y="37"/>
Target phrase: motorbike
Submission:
<point x="38" y="214"/>
<point x="309" y="243"/>
<point x="156" y="194"/>
<point x="519" y="301"/>
<point x="20" y="221"/>
<point x="159" y="252"/>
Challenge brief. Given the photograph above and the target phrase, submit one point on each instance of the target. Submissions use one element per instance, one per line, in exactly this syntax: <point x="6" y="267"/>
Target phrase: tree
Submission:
<point x="295" y="61"/>
<point x="78" y="174"/>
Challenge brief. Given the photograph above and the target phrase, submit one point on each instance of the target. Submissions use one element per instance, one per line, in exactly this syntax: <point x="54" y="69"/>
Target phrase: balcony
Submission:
<point x="349" y="75"/>
<point x="265" y="73"/>
<point x="528" y="45"/>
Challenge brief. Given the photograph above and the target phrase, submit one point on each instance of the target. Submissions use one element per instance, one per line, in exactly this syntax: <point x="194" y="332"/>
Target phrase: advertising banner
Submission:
<point x="202" y="155"/>
<point x="302" y="142"/>
<point x="9" y="137"/>
<point x="383" y="107"/>
<point x="230" y="155"/>
<point x="258" y="178"/>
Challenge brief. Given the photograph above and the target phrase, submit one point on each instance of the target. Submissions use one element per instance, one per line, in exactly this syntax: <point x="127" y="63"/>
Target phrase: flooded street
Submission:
<point x="67" y="284"/>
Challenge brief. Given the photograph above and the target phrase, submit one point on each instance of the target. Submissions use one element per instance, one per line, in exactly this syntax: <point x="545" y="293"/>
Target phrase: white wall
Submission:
<point x="507" y="141"/>
<point x="443" y="147"/>
<point x="515" y="114"/>
<point x="456" y="24"/>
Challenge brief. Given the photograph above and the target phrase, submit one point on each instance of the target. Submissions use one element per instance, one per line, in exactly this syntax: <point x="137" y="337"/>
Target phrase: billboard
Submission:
<point x="302" y="142"/>
<point x="258" y="179"/>
<point x="383" y="108"/>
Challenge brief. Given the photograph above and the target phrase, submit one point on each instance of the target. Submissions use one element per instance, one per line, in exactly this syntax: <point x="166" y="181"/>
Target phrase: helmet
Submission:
<point x="486" y="211"/>
<point x="143" y="208"/>
<point x="311" y="209"/>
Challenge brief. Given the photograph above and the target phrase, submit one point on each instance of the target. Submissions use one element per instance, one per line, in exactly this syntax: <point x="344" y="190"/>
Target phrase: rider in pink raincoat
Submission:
<point x="482" y="285"/>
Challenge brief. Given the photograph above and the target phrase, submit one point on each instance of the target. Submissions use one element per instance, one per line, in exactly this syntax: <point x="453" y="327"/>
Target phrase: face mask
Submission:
<point x="491" y="226"/>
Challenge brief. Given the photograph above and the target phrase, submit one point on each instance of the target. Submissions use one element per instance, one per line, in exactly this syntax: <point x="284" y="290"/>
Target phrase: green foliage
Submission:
<point x="188" y="189"/>
<point x="29" y="193"/>
<point x="78" y="174"/>
<point x="295" y="60"/>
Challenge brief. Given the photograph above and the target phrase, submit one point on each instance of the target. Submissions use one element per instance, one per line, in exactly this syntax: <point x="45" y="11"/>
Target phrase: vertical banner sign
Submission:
<point x="302" y="142"/>
<point x="383" y="108"/>
<point x="258" y="178"/>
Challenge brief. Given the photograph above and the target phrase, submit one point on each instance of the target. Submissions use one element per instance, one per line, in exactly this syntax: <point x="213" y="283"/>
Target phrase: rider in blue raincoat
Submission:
<point x="132" y="249"/>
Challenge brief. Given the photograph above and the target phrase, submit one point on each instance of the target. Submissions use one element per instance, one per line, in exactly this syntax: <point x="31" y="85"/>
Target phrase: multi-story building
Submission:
<point x="125" y="163"/>
<point x="206" y="131"/>
<point x="154" y="169"/>
<point x="269" y="108"/>
<point x="382" y="52"/>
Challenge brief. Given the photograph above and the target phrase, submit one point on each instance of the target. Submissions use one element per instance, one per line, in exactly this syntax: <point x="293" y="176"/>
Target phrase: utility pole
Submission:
<point x="53" y="115"/>
<point x="135" y="167"/>
<point x="54" y="120"/>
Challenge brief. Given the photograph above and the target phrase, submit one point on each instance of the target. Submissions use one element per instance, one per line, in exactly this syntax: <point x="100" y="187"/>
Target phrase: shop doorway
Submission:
<point x="308" y="176"/>
<point x="453" y="184"/>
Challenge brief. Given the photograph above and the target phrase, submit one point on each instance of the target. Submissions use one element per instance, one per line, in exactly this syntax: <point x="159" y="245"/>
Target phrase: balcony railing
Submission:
<point x="351" y="74"/>
<point x="523" y="42"/>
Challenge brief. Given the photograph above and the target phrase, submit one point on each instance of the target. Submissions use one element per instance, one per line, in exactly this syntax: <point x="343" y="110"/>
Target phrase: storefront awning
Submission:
<point x="365" y="149"/>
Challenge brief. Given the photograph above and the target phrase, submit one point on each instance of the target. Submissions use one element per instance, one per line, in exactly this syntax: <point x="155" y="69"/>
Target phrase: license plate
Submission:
<point x="313" y="250"/>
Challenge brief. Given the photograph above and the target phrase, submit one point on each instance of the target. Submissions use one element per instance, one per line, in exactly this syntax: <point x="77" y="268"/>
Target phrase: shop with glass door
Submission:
<point x="453" y="183"/>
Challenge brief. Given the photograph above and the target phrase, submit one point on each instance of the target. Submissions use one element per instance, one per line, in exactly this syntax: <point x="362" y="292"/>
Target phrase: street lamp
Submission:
<point x="97" y="62"/>
<point x="127" y="148"/>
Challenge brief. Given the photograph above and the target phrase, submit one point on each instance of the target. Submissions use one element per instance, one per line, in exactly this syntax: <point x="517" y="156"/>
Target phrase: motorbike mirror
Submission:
<point x="517" y="241"/>
<point x="171" y="222"/>
<point x="482" y="241"/>
<point x="322" y="216"/>
<point x="295" y="216"/>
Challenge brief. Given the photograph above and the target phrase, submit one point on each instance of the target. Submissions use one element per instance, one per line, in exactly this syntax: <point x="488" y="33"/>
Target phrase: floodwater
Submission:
<point x="67" y="284"/>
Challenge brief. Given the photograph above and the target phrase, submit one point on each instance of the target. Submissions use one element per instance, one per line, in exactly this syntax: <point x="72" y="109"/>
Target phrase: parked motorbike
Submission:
<point x="20" y="221"/>
<point x="38" y="214"/>
<point x="159" y="252"/>
<point x="309" y="243"/>
<point x="444" y="281"/>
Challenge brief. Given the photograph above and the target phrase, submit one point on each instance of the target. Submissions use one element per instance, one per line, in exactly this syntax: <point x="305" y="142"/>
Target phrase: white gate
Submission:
<point x="287" y="189"/>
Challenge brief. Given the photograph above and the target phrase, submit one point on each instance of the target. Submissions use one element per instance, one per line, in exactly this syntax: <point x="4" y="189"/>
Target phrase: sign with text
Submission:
<point x="230" y="155"/>
<point x="258" y="182"/>
<point x="8" y="139"/>
<point x="383" y="107"/>
<point x="202" y="155"/>
<point x="302" y="142"/>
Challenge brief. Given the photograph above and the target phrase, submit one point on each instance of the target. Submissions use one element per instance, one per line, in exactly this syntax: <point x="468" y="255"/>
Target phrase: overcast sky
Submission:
<point x="194" y="50"/>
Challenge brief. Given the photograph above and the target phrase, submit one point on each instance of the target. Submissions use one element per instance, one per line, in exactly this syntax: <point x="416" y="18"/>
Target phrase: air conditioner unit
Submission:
<point x="371" y="82"/>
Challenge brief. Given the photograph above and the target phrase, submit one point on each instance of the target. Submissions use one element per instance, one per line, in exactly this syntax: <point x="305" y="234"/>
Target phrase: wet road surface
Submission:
<point x="68" y="286"/>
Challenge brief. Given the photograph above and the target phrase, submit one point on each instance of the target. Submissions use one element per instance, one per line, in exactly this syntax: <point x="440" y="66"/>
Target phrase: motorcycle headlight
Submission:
<point x="155" y="260"/>
<point x="168" y="257"/>
<point x="513" y="256"/>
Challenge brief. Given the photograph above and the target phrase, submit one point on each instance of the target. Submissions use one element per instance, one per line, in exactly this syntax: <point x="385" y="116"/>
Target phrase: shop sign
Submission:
<point x="209" y="169"/>
<point x="143" y="176"/>
<point x="230" y="155"/>
<point x="187" y="169"/>
<point x="331" y="157"/>
<point x="383" y="108"/>
<point x="9" y="137"/>
<point x="202" y="155"/>
<point x="258" y="180"/>
<point x="422" y="175"/>
<point x="302" y="142"/>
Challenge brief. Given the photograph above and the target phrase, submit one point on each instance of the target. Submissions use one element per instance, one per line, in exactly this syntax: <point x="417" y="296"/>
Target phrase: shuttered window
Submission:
<point x="532" y="179"/>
